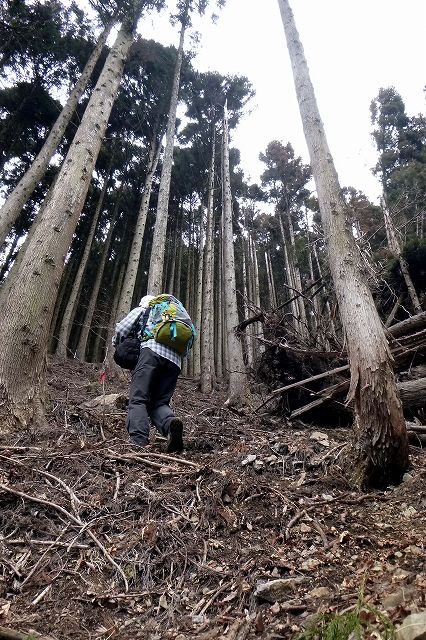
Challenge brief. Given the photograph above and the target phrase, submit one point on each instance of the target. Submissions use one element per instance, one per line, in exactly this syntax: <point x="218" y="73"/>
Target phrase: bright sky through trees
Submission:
<point x="353" y="49"/>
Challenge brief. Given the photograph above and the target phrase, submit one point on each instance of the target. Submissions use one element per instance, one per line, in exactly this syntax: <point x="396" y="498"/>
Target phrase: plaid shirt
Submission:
<point x="123" y="328"/>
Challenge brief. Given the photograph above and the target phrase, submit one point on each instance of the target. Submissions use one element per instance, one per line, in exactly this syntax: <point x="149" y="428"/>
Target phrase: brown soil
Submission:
<point x="99" y="540"/>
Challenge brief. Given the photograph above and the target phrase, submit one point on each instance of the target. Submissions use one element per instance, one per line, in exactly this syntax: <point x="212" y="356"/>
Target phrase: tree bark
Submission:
<point x="246" y="297"/>
<point x="208" y="306"/>
<point x="395" y="248"/>
<point x="26" y="317"/>
<point x="271" y="282"/>
<point x="290" y="279"/>
<point x="199" y="297"/>
<point x="128" y="289"/>
<point x="70" y="309"/>
<point x="381" y="446"/>
<point x="235" y="362"/>
<point x="304" y="328"/>
<point x="218" y="336"/>
<point x="85" y="331"/>
<point x="155" y="276"/>
<point x="23" y="190"/>
<point x="258" y="329"/>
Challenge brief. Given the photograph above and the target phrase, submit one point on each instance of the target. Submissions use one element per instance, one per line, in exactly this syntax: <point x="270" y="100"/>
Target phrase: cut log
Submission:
<point x="408" y="326"/>
<point x="413" y="393"/>
<point x="416" y="439"/>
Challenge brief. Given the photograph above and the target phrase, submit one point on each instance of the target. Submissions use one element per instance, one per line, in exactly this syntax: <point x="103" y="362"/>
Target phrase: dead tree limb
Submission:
<point x="412" y="394"/>
<point x="260" y="317"/>
<point x="327" y="394"/>
<point x="408" y="326"/>
<point x="391" y="316"/>
<point x="302" y="383"/>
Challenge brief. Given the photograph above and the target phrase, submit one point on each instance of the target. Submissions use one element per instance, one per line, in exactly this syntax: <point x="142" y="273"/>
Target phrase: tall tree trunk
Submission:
<point x="189" y="290"/>
<point x="317" y="321"/>
<point x="207" y="314"/>
<point x="237" y="376"/>
<point x="218" y="315"/>
<point x="257" y="345"/>
<point x="381" y="437"/>
<point x="111" y="324"/>
<point x="155" y="276"/>
<point x="395" y="247"/>
<point x="178" y="266"/>
<point x="173" y="232"/>
<point x="128" y="288"/>
<point x="26" y="317"/>
<point x="271" y="281"/>
<point x="9" y="257"/>
<point x="67" y="280"/>
<point x="290" y="279"/>
<point x="199" y="297"/>
<point x="304" y="328"/>
<point x="25" y="187"/>
<point x="246" y="297"/>
<point x="70" y="309"/>
<point x="327" y="302"/>
<point x="85" y="331"/>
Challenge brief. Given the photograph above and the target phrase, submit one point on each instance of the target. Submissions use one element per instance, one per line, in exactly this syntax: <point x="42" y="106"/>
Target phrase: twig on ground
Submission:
<point x="316" y="525"/>
<point x="117" y="486"/>
<point x="293" y="521"/>
<point x="214" y="596"/>
<point x="49" y="543"/>
<point x="74" y="519"/>
<point x="165" y="456"/>
<point x="41" y="595"/>
<point x="43" y="555"/>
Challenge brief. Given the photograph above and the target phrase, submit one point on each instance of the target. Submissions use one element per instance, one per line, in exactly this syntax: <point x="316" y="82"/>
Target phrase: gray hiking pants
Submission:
<point x="153" y="383"/>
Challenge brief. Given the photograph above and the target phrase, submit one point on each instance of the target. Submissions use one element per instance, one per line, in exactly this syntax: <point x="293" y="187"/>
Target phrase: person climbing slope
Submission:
<point x="166" y="334"/>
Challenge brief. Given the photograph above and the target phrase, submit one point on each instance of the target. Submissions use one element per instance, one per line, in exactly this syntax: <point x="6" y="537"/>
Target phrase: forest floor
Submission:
<point x="99" y="540"/>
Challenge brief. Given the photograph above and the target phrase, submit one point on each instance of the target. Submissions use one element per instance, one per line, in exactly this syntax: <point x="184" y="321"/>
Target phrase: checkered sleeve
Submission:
<point x="122" y="328"/>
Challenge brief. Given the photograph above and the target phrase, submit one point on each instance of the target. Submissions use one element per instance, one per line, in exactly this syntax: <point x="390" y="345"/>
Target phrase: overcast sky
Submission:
<point x="352" y="47"/>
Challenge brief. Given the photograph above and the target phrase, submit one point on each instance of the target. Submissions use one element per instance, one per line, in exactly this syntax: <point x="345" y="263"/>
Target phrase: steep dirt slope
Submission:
<point x="99" y="540"/>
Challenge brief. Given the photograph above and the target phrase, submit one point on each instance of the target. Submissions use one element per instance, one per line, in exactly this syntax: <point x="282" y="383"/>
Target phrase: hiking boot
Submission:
<point x="174" y="440"/>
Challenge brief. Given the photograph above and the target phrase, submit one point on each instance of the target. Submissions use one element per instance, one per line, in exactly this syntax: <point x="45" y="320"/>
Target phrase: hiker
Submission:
<point x="160" y="323"/>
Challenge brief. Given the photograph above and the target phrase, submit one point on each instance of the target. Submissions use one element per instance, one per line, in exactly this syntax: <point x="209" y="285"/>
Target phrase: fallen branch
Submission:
<point x="408" y="326"/>
<point x="392" y="314"/>
<point x="327" y="394"/>
<point x="302" y="383"/>
<point x="10" y="634"/>
<point x="412" y="394"/>
<point x="164" y="456"/>
<point x="134" y="457"/>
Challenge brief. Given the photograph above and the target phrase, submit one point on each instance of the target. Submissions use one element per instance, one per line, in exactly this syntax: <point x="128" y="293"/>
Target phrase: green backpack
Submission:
<point x="169" y="324"/>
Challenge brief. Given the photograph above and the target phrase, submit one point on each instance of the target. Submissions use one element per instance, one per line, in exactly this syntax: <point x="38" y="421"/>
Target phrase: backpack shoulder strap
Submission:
<point x="145" y="317"/>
